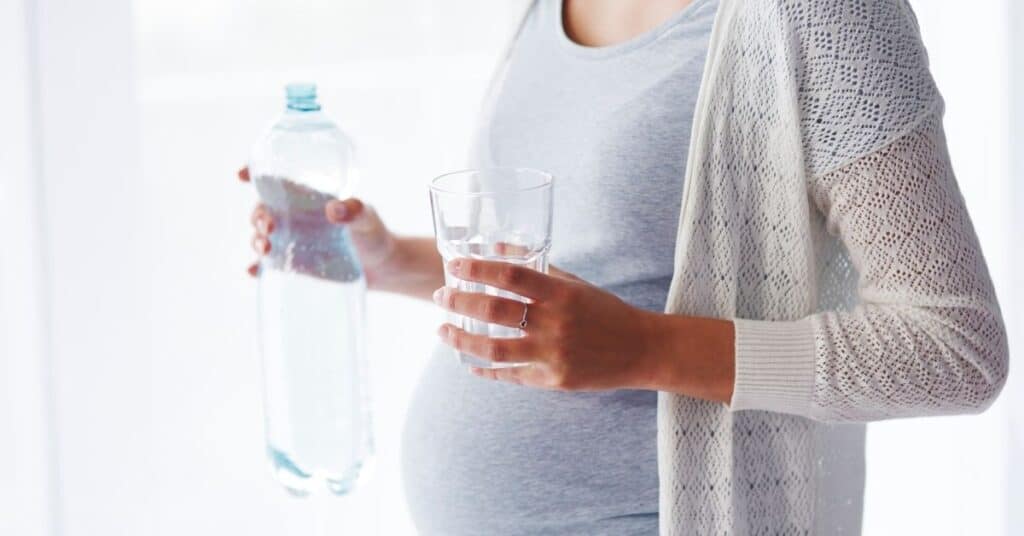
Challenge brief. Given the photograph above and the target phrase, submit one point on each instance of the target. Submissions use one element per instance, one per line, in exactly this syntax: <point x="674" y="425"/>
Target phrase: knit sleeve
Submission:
<point x="927" y="337"/>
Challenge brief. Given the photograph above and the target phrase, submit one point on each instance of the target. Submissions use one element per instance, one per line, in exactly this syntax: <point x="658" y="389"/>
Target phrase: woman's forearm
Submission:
<point x="416" y="272"/>
<point x="691" y="356"/>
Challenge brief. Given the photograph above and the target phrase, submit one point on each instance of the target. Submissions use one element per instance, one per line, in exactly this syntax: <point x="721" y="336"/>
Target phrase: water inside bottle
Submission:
<point x="311" y="328"/>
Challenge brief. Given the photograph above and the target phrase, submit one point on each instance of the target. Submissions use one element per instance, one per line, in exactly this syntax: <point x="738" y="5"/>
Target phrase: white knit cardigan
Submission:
<point x="819" y="211"/>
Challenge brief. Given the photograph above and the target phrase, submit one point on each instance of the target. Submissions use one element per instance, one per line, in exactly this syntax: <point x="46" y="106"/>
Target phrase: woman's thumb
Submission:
<point x="343" y="210"/>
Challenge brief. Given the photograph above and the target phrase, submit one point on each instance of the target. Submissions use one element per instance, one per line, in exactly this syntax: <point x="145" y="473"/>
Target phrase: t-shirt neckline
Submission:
<point x="633" y="43"/>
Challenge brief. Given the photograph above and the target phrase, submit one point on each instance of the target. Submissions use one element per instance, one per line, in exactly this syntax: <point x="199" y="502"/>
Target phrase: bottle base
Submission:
<point x="300" y="483"/>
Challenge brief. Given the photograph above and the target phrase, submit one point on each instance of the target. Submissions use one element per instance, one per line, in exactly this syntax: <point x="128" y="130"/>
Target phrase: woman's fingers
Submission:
<point x="514" y="350"/>
<point x="513" y="277"/>
<point x="260" y="244"/>
<point x="493" y="309"/>
<point x="521" y="375"/>
<point x="507" y="374"/>
<point x="262" y="220"/>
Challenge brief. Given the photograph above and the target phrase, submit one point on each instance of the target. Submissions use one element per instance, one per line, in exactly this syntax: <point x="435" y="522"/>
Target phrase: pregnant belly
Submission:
<point x="484" y="457"/>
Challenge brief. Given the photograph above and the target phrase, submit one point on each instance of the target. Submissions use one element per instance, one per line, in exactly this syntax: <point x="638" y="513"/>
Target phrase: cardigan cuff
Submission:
<point x="774" y="366"/>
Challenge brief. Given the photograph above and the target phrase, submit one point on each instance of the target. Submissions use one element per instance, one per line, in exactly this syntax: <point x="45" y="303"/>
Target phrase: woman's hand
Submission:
<point x="409" y="266"/>
<point x="580" y="337"/>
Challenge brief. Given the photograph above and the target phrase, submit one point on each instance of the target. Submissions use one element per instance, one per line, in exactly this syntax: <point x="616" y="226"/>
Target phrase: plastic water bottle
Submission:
<point x="311" y="304"/>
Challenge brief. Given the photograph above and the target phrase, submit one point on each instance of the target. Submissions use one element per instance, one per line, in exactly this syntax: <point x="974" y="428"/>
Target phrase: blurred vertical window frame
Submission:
<point x="1015" y="321"/>
<point x="28" y="491"/>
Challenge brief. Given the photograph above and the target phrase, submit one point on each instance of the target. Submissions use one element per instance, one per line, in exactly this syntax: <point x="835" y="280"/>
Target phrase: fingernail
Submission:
<point x="338" y="210"/>
<point x="439" y="295"/>
<point x="443" y="331"/>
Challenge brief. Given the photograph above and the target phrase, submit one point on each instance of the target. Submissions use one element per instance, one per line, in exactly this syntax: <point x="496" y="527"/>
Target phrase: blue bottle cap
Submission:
<point x="302" y="96"/>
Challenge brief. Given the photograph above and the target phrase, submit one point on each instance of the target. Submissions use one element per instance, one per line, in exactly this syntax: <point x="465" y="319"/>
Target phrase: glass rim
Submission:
<point x="548" y="180"/>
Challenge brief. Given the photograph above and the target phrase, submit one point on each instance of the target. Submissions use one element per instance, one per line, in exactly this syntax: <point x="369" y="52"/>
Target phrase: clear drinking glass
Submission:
<point x="501" y="214"/>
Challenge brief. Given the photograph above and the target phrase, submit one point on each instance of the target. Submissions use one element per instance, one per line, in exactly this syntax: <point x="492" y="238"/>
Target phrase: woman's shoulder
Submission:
<point x="834" y="11"/>
<point x="869" y="22"/>
<point x="860" y="68"/>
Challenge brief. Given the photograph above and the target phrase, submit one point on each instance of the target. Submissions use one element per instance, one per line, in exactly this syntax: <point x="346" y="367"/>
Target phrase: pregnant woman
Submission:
<point x="760" y="247"/>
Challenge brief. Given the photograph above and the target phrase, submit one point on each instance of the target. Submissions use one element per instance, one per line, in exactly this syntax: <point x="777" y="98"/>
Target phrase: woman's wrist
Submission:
<point x="689" y="355"/>
<point x="413" y="268"/>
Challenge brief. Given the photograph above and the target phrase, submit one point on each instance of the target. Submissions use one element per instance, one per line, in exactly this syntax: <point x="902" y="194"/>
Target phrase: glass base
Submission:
<point x="474" y="361"/>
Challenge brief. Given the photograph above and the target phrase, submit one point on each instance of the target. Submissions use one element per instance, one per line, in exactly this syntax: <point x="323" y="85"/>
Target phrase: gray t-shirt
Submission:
<point x="612" y="124"/>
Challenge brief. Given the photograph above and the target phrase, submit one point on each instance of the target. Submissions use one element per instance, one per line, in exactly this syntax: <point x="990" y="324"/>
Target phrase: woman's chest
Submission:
<point x="615" y="136"/>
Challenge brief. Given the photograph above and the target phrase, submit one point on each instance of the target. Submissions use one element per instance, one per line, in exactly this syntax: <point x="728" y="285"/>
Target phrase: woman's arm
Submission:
<point x="927" y="337"/>
<point x="416" y="270"/>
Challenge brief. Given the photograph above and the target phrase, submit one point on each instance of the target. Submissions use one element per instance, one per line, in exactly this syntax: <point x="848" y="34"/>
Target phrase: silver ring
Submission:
<point x="526" y="309"/>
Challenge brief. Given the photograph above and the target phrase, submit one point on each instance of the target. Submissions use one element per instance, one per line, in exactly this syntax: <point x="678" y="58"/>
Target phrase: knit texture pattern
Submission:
<point x="821" y="212"/>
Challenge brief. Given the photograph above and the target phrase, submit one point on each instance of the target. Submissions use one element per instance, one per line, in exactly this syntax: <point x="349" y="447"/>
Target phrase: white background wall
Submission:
<point x="950" y="475"/>
<point x="131" y="401"/>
